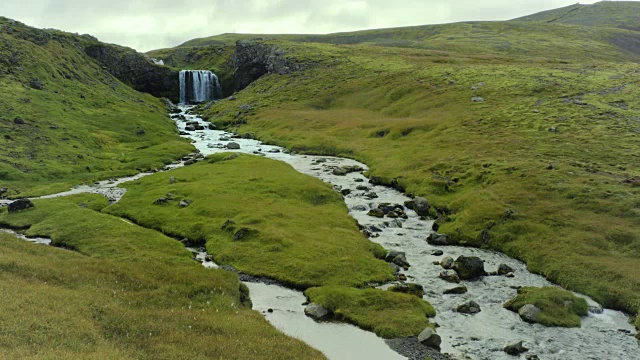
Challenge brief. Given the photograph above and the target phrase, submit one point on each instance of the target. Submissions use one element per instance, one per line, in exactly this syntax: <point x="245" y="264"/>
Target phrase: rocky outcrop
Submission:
<point x="21" y="204"/>
<point x="469" y="267"/>
<point x="135" y="69"/>
<point x="252" y="60"/>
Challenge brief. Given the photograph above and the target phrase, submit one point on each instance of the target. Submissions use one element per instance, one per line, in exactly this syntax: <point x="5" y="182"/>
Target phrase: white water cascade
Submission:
<point x="197" y="86"/>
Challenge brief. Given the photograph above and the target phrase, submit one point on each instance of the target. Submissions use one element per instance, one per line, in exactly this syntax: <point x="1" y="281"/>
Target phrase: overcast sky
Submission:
<point x="153" y="24"/>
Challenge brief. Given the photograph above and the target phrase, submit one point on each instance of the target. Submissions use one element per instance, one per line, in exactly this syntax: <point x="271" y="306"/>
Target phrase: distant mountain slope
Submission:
<point x="65" y="120"/>
<point x="620" y="14"/>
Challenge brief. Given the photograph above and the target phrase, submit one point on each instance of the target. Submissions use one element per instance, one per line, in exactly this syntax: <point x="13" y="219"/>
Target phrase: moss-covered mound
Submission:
<point x="388" y="314"/>
<point x="262" y="217"/>
<point x="557" y="307"/>
<point x="64" y="120"/>
<point x="125" y="293"/>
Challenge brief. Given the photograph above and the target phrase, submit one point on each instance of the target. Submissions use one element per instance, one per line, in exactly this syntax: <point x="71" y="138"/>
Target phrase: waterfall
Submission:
<point x="197" y="86"/>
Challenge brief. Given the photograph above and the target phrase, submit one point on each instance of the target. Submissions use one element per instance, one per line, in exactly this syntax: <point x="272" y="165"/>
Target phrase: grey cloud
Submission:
<point x="147" y="25"/>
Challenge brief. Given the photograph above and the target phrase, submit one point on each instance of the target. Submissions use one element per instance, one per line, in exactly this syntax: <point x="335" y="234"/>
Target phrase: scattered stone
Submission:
<point x="339" y="172"/>
<point x="402" y="277"/>
<point x="161" y="201"/>
<point x="447" y="263"/>
<point x="429" y="338"/>
<point x="242" y="234"/>
<point x="401" y="260"/>
<point x="457" y="290"/>
<point x="190" y="128"/>
<point x="172" y="180"/>
<point x="450" y="276"/>
<point x="504" y="269"/>
<point x="36" y="83"/>
<point x="531" y="357"/>
<point x="321" y="160"/>
<point x="469" y="267"/>
<point x="232" y="98"/>
<point x="477" y="99"/>
<point x="470" y="308"/>
<point x="233" y="146"/>
<point x="529" y="313"/>
<point x="228" y="225"/>
<point x="20" y="205"/>
<point x="376" y="213"/>
<point x="185" y="203"/>
<point x="18" y="121"/>
<point x="53" y="127"/>
<point x="515" y="349"/>
<point x="510" y="275"/>
<point x="362" y="188"/>
<point x="212" y="126"/>
<point x="551" y="167"/>
<point x="360" y="208"/>
<point x="270" y="310"/>
<point x="345" y="192"/>
<point x="371" y="195"/>
<point x="435" y="226"/>
<point x="437" y="239"/>
<point x="141" y="132"/>
<point x="316" y="311"/>
<point x="412" y="289"/>
<point x="437" y="253"/>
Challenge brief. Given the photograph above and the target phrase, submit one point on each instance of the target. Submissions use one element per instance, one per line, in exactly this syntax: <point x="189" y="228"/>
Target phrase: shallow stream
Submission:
<point x="605" y="334"/>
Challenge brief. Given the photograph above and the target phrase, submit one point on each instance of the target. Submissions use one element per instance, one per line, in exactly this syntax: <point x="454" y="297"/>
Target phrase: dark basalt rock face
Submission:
<point x="252" y="60"/>
<point x="136" y="70"/>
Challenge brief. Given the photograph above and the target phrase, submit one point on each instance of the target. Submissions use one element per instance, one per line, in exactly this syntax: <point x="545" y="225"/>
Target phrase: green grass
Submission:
<point x="475" y="161"/>
<point x="126" y="292"/>
<point x="82" y="125"/>
<point x="551" y="302"/>
<point x="296" y="228"/>
<point x="388" y="314"/>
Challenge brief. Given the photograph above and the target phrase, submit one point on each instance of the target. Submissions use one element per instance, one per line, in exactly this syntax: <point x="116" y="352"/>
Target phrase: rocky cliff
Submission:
<point x="136" y="69"/>
<point x="253" y="59"/>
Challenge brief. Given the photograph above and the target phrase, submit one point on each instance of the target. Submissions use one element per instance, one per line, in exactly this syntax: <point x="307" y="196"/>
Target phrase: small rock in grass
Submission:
<point x="20" y="204"/>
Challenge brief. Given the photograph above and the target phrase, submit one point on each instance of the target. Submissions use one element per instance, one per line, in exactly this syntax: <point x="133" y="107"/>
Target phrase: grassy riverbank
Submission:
<point x="123" y="292"/>
<point x="284" y="225"/>
<point x="542" y="165"/>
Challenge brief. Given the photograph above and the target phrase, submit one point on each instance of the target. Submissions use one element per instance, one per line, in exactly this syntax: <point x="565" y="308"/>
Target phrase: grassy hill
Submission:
<point x="543" y="165"/>
<point x="65" y="120"/>
<point x="620" y="14"/>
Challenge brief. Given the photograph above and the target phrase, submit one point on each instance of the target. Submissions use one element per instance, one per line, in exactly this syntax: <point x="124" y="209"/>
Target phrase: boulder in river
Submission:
<point x="233" y="146"/>
<point x="450" y="276"/>
<point x="316" y="311"/>
<point x="376" y="213"/>
<point x="401" y="260"/>
<point x="469" y="267"/>
<point x="515" y="349"/>
<point x="421" y="206"/>
<point x="447" y="262"/>
<point x="437" y="239"/>
<point x="458" y="290"/>
<point x="504" y="269"/>
<point x="470" y="307"/>
<point x="429" y="338"/>
<point x="437" y="253"/>
<point x="190" y="128"/>
<point x="20" y="204"/>
<point x="529" y="313"/>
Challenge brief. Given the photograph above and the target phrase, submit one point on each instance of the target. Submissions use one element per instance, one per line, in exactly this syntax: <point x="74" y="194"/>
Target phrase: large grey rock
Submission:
<point x="316" y="311"/>
<point x="529" y="313"/>
<point x="469" y="267"/>
<point x="233" y="146"/>
<point x="20" y="204"/>
<point x="470" y="307"/>
<point x="515" y="349"/>
<point x="437" y="239"/>
<point x="421" y="206"/>
<point x="429" y="338"/>
<point x="450" y="276"/>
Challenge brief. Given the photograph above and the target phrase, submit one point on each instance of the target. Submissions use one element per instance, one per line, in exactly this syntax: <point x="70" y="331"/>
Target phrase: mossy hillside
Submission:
<point x="126" y="293"/>
<point x="76" y="122"/>
<point x="558" y="307"/>
<point x="286" y="225"/>
<point x="388" y="314"/>
<point x="554" y="143"/>
<point x="621" y="14"/>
